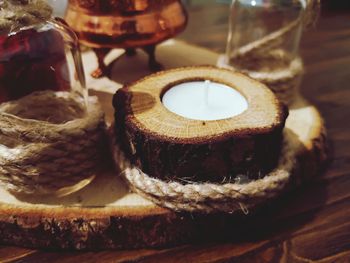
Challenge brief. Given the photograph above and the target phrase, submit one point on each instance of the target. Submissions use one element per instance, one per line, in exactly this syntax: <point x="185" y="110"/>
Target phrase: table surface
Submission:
<point x="316" y="222"/>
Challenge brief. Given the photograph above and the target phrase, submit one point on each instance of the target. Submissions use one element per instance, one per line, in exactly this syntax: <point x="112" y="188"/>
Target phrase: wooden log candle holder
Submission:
<point x="168" y="146"/>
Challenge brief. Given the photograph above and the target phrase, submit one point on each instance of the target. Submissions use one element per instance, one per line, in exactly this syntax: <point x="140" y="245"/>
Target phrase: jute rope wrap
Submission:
<point x="273" y="66"/>
<point x="210" y="197"/>
<point x="48" y="141"/>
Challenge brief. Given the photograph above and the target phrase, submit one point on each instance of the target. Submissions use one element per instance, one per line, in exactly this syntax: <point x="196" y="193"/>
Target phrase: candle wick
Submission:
<point x="206" y="93"/>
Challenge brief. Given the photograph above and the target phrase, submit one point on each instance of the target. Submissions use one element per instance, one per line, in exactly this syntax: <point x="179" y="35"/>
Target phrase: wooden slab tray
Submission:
<point x="105" y="215"/>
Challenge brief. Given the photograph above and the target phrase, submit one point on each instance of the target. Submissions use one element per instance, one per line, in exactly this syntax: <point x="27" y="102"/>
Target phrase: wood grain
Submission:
<point x="312" y="222"/>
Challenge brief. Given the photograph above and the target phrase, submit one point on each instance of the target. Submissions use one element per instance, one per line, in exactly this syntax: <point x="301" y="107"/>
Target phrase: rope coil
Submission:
<point x="53" y="145"/>
<point x="210" y="197"/>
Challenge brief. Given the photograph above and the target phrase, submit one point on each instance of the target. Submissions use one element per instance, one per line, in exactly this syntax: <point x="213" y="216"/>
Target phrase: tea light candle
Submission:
<point x="204" y="100"/>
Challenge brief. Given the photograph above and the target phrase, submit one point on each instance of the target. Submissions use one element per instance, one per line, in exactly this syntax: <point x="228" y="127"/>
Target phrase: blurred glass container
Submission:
<point x="132" y="23"/>
<point x="43" y="56"/>
<point x="41" y="79"/>
<point x="127" y="24"/>
<point x="263" y="41"/>
<point x="58" y="6"/>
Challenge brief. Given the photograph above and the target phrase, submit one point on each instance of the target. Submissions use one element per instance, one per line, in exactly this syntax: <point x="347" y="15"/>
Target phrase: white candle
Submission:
<point x="204" y="100"/>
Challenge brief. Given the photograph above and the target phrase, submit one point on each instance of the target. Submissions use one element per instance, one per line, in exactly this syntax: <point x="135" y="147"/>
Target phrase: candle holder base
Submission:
<point x="106" y="215"/>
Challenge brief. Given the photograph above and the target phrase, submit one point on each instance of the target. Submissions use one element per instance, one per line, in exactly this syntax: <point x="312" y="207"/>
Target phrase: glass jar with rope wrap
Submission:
<point x="263" y="41"/>
<point x="46" y="116"/>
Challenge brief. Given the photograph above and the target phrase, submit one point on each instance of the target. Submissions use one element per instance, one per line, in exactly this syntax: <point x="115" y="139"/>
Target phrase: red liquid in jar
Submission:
<point x="32" y="61"/>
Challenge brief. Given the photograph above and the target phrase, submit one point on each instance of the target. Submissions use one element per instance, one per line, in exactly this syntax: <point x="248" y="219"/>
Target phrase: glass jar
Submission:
<point x="44" y="56"/>
<point x="43" y="100"/>
<point x="263" y="42"/>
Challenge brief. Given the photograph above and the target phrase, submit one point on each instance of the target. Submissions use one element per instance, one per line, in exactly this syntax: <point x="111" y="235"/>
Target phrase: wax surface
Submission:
<point x="204" y="100"/>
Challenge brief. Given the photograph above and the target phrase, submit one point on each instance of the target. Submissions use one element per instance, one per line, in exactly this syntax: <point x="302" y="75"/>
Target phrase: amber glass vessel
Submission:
<point x="124" y="24"/>
<point x="128" y="24"/>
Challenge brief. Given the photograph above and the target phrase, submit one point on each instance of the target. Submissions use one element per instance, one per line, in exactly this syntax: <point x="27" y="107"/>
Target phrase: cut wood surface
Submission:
<point x="310" y="224"/>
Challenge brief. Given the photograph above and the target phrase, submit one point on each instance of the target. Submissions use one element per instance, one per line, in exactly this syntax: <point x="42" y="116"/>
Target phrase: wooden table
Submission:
<point x="314" y="221"/>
